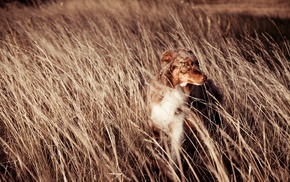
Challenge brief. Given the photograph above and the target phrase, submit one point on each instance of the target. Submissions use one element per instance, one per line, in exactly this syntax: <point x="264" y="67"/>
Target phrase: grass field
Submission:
<point x="73" y="78"/>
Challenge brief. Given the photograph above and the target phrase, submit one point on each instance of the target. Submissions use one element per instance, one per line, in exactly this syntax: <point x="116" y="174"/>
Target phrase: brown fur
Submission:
<point x="173" y="85"/>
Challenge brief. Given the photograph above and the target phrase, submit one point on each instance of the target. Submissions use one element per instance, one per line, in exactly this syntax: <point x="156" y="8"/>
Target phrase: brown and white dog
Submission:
<point x="168" y="94"/>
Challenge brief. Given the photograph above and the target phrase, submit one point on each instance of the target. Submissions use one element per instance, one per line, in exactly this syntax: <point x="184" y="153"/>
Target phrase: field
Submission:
<point x="73" y="78"/>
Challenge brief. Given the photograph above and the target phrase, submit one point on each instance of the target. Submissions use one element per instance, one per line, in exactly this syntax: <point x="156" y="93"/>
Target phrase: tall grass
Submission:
<point x="72" y="87"/>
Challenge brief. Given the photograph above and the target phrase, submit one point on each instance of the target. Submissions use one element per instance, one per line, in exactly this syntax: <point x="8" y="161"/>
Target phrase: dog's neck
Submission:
<point x="169" y="81"/>
<point x="187" y="89"/>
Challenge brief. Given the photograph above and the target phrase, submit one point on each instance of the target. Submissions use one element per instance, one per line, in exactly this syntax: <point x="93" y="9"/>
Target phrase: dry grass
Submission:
<point x="72" y="87"/>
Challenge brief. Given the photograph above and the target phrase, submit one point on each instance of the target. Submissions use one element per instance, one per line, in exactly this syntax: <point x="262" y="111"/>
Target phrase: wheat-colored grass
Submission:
<point x="72" y="85"/>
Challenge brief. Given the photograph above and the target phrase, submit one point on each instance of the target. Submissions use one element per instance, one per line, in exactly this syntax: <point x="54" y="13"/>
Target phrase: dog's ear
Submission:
<point x="166" y="57"/>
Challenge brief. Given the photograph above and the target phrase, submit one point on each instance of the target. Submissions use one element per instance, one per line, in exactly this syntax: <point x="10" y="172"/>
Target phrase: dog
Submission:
<point x="168" y="95"/>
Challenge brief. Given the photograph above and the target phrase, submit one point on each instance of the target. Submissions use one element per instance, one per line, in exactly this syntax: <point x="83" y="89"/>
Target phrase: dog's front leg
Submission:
<point x="176" y="130"/>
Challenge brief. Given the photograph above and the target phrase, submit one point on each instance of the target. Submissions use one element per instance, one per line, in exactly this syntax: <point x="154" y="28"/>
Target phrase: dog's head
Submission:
<point x="181" y="67"/>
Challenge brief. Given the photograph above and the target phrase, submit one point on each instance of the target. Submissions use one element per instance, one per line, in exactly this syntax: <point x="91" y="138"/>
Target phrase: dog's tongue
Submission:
<point x="183" y="84"/>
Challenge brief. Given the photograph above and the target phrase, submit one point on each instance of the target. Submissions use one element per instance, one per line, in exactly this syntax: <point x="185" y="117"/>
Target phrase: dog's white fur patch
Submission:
<point x="165" y="116"/>
<point x="163" y="113"/>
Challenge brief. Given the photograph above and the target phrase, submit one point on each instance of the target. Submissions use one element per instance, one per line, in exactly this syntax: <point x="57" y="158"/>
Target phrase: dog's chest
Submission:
<point x="165" y="112"/>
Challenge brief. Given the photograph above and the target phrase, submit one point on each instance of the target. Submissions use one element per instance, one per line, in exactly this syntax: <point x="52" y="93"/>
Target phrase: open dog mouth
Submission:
<point x="183" y="84"/>
<point x="198" y="83"/>
<point x="195" y="82"/>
